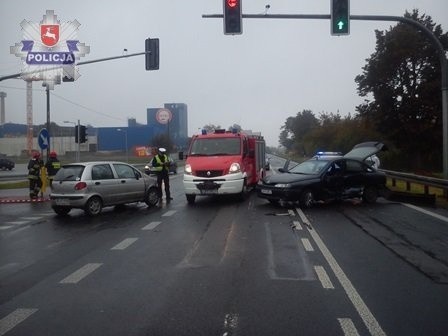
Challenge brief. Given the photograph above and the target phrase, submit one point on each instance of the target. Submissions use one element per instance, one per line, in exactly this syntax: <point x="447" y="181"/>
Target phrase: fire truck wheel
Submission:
<point x="191" y="199"/>
<point x="244" y="192"/>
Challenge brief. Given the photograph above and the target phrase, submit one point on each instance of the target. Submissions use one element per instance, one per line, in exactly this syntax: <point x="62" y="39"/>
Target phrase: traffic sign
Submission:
<point x="43" y="139"/>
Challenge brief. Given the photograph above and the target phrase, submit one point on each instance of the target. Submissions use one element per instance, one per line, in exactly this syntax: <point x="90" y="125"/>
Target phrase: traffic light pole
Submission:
<point x="17" y="75"/>
<point x="78" y="149"/>
<point x="436" y="43"/>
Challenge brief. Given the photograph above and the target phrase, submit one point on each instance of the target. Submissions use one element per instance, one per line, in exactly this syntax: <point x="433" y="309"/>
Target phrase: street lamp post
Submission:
<point x="125" y="141"/>
<point x="78" y="152"/>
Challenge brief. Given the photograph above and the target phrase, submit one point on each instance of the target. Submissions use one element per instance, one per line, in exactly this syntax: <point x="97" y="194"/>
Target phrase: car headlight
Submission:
<point x="283" y="185"/>
<point x="234" y="168"/>
<point x="187" y="169"/>
<point x="147" y="167"/>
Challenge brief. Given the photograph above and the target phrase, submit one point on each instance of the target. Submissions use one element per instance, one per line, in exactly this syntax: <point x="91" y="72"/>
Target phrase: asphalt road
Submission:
<point x="224" y="267"/>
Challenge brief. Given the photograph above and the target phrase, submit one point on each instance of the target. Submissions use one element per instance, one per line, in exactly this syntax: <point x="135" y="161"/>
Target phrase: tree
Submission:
<point x="401" y="83"/>
<point x="294" y="130"/>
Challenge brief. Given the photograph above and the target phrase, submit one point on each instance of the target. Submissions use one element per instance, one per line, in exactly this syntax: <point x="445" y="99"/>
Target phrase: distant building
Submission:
<point x="174" y="118"/>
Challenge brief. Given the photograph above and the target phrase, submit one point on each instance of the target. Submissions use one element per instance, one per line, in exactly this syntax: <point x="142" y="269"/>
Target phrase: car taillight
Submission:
<point x="80" y="185"/>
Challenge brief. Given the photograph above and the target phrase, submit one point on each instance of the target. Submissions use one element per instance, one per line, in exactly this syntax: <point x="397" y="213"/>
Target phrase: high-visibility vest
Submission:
<point x="159" y="167"/>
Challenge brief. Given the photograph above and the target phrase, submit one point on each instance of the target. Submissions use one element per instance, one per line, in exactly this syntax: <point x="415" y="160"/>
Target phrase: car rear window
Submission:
<point x="69" y="173"/>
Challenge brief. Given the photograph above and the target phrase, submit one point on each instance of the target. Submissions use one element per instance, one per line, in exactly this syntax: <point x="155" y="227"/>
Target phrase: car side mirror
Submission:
<point x="282" y="170"/>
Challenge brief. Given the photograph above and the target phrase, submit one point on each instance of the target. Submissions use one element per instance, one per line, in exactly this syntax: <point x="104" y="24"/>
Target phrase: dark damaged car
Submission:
<point x="327" y="179"/>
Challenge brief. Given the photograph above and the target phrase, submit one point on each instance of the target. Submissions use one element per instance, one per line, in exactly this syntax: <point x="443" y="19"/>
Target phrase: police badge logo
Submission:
<point x="49" y="50"/>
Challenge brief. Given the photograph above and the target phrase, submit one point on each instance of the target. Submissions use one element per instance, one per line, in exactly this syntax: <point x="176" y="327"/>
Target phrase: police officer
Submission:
<point x="52" y="165"/>
<point x="161" y="164"/>
<point x="34" y="166"/>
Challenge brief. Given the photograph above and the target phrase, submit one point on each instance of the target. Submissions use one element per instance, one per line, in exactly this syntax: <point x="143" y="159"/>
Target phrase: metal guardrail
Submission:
<point x="425" y="181"/>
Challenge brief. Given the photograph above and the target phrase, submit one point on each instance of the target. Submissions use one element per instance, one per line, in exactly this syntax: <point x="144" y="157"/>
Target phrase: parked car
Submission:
<point x="327" y="179"/>
<point x="149" y="169"/>
<point x="6" y="164"/>
<point x="94" y="185"/>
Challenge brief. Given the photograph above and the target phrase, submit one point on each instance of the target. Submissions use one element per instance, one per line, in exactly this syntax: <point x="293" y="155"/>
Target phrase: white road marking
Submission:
<point x="80" y="274"/>
<point x="169" y="213"/>
<point x="442" y="218"/>
<point x="348" y="327"/>
<point x="31" y="218"/>
<point x="13" y="319"/>
<point x="296" y="225"/>
<point x="364" y="312"/>
<point x="323" y="277"/>
<point x="5" y="227"/>
<point x="307" y="245"/>
<point x="230" y="324"/>
<point x="17" y="222"/>
<point x="151" y="226"/>
<point x="124" y="244"/>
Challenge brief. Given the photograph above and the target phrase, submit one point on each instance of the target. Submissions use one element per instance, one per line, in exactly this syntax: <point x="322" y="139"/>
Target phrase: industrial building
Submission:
<point x="170" y="120"/>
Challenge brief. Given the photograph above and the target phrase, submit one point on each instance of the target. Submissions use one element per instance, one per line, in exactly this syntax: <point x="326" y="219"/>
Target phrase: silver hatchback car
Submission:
<point x="94" y="185"/>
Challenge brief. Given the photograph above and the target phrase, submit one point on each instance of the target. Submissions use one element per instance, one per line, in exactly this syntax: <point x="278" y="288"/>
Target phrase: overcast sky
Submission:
<point x="275" y="69"/>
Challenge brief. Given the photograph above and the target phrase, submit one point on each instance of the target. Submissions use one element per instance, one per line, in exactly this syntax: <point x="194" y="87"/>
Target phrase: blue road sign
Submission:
<point x="43" y="138"/>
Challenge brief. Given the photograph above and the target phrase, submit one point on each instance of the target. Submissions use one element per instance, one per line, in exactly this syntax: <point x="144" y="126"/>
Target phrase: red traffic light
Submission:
<point x="233" y="23"/>
<point x="232" y="3"/>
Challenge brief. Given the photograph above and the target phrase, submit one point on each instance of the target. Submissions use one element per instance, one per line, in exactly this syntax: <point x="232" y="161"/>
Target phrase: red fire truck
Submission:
<point x="223" y="162"/>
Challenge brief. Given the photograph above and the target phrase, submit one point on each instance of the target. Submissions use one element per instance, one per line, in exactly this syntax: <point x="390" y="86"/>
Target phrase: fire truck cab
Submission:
<point x="222" y="163"/>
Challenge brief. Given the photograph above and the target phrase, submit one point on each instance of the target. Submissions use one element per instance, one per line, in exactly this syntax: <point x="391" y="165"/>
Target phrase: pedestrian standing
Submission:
<point x="34" y="166"/>
<point x="53" y="165"/>
<point x="161" y="164"/>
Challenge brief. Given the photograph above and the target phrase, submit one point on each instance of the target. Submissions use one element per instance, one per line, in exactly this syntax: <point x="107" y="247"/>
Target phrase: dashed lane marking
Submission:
<point x="323" y="277"/>
<point x="348" y="327"/>
<point x="307" y="245"/>
<point x="124" y="244"/>
<point x="13" y="319"/>
<point x="80" y="274"/>
<point x="169" y="213"/>
<point x="151" y="226"/>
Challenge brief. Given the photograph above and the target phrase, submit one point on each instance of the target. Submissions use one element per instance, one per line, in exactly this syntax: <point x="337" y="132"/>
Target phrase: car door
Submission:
<point x="131" y="185"/>
<point x="333" y="181"/>
<point x="354" y="176"/>
<point x="104" y="183"/>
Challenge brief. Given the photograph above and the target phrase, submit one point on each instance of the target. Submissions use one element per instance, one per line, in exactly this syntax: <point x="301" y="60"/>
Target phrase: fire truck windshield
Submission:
<point x="216" y="146"/>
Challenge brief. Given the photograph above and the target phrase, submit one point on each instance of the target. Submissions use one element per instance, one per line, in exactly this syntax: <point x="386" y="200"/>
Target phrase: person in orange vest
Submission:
<point x="53" y="165"/>
<point x="34" y="166"/>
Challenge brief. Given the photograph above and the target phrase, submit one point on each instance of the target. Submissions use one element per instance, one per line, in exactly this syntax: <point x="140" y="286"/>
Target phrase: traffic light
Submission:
<point x="82" y="134"/>
<point x="233" y="17"/>
<point x="152" y="54"/>
<point x="340" y="17"/>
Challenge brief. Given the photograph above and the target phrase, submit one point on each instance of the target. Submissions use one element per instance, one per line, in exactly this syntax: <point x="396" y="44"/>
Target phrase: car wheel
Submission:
<point x="152" y="197"/>
<point x="191" y="199"/>
<point x="370" y="194"/>
<point x="93" y="206"/>
<point x="306" y="200"/>
<point x="62" y="211"/>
